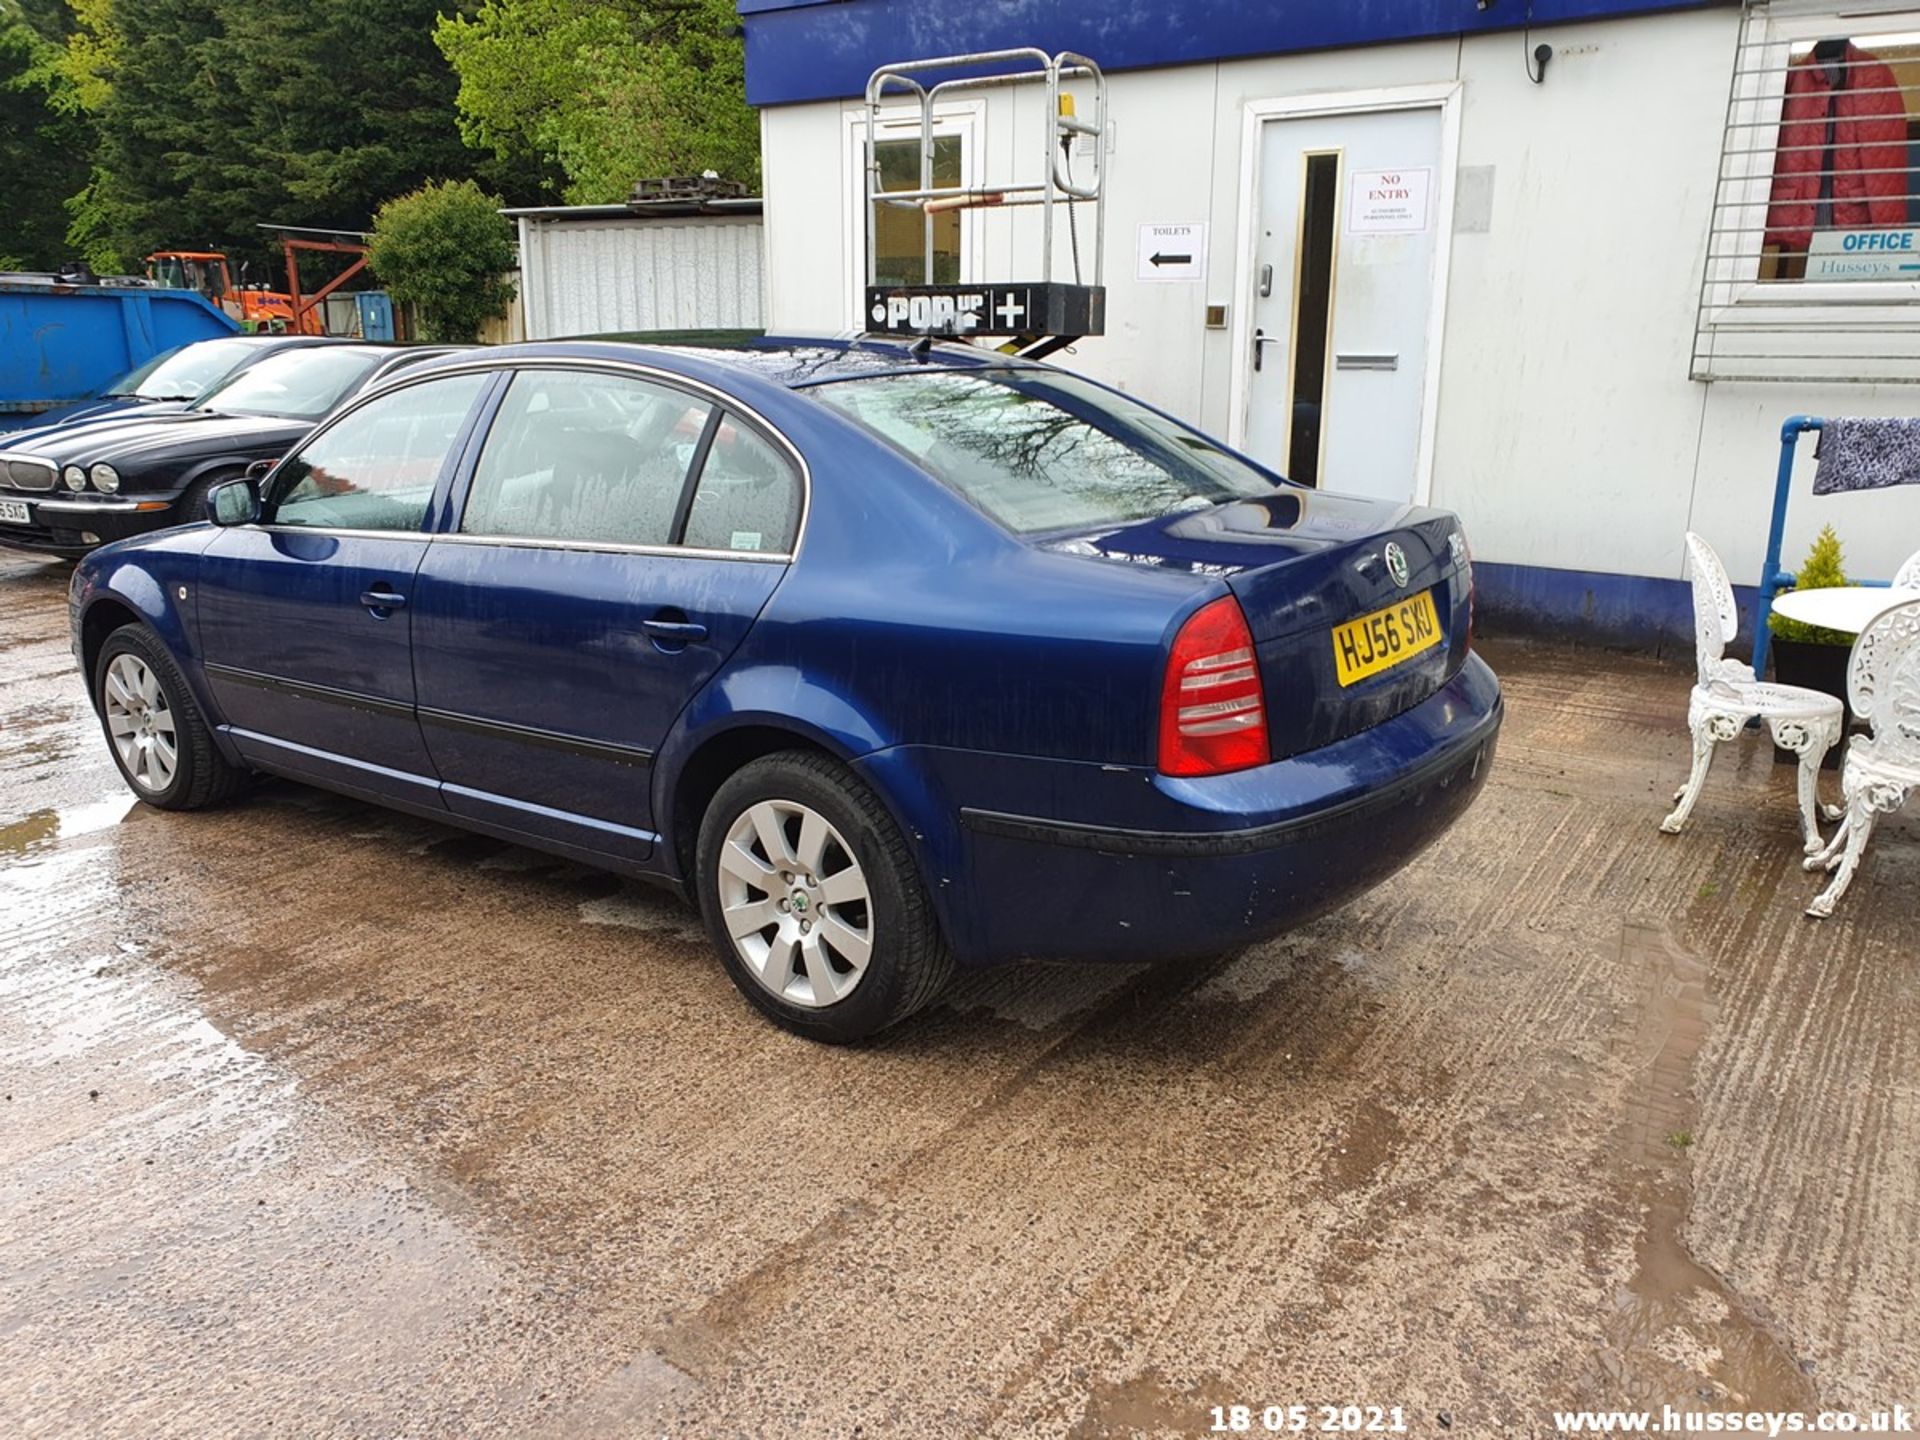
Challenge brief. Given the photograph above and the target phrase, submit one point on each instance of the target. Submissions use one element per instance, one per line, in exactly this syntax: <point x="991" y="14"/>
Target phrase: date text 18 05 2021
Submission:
<point x="1309" y="1419"/>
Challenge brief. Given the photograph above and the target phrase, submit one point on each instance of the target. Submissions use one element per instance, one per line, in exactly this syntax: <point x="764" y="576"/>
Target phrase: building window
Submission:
<point x="899" y="250"/>
<point x="1843" y="162"/>
<point x="1813" y="258"/>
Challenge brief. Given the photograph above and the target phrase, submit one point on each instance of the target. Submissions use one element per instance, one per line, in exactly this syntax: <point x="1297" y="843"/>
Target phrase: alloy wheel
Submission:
<point x="795" y="903"/>
<point x="141" y="724"/>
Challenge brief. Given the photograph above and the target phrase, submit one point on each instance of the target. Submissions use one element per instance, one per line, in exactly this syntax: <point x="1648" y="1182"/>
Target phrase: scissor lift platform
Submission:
<point x="1035" y="317"/>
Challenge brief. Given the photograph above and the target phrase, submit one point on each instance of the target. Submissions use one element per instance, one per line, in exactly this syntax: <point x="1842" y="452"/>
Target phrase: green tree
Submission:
<point x="611" y="91"/>
<point x="445" y="249"/>
<point x="43" y="146"/>
<point x="1824" y="570"/>
<point x="216" y="116"/>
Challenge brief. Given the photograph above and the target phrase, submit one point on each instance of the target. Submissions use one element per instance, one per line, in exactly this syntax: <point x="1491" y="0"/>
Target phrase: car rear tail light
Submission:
<point x="1213" y="714"/>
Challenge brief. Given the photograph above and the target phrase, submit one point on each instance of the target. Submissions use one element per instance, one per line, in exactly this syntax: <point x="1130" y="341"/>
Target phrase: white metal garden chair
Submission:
<point x="1883" y="681"/>
<point x="1726" y="696"/>
<point x="1907" y="577"/>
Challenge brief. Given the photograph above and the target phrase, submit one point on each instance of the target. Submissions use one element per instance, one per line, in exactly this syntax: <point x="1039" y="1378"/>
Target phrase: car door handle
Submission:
<point x="382" y="599"/>
<point x="683" y="632"/>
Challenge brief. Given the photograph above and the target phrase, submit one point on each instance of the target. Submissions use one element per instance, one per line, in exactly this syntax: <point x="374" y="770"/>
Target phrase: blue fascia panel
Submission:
<point x="800" y="50"/>
<point x="1631" y="612"/>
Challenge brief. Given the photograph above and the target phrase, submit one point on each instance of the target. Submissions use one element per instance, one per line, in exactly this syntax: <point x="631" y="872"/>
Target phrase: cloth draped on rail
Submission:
<point x="1866" y="454"/>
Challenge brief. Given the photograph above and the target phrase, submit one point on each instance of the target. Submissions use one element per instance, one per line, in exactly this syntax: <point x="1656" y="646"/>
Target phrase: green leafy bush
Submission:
<point x="1824" y="570"/>
<point x="445" y="249"/>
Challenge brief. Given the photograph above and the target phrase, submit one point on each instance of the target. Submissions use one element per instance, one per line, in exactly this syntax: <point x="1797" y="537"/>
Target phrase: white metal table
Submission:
<point x="1846" y="608"/>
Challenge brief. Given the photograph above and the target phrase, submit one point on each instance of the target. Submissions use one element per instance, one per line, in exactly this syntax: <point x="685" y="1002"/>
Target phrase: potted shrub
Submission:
<point x="1807" y="655"/>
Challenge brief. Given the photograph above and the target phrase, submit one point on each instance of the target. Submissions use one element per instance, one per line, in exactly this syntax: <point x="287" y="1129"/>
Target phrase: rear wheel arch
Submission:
<point x="709" y="766"/>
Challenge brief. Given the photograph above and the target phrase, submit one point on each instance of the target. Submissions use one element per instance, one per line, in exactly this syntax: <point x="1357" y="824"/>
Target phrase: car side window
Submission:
<point x="748" y="499"/>
<point x="584" y="456"/>
<point x="376" y="468"/>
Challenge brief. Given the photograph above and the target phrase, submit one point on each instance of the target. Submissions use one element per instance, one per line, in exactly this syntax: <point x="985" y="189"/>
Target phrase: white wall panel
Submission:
<point x="587" y="277"/>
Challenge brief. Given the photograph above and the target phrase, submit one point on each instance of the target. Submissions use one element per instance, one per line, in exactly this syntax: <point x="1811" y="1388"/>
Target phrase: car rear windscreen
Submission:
<point x="1041" y="451"/>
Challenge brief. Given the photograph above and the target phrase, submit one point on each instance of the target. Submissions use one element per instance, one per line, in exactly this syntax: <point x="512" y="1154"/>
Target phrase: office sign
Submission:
<point x="1864" y="255"/>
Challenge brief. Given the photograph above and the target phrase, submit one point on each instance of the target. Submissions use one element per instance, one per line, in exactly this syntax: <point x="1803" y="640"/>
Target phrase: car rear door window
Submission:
<point x="376" y="468"/>
<point x="748" y="497"/>
<point x="585" y="457"/>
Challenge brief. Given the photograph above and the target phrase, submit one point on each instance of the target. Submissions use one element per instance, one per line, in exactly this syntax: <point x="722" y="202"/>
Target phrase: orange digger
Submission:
<point x="255" y="307"/>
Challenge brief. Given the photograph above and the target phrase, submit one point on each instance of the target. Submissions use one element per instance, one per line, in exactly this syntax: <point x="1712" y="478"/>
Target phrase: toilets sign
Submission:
<point x="1172" y="252"/>
<point x="1864" y="255"/>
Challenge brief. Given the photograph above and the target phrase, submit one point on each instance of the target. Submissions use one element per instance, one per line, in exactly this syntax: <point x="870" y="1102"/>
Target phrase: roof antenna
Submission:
<point x="921" y="348"/>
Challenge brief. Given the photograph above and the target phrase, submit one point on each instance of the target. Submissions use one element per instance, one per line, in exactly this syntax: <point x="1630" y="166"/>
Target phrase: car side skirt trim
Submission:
<point x="547" y="812"/>
<point x="471" y="724"/>
<point x="1113" y="840"/>
<point x="267" y="752"/>
<point x="425" y="801"/>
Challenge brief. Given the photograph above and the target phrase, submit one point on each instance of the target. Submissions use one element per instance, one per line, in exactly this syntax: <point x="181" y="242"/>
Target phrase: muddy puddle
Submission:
<point x="40" y="828"/>
<point x="1677" y="1333"/>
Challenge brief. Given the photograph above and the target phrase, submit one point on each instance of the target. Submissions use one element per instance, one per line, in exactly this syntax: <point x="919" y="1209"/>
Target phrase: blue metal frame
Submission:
<point x="1772" y="578"/>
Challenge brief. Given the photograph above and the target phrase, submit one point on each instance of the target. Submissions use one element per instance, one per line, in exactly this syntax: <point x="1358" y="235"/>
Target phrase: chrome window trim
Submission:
<point x="264" y="529"/>
<point x="763" y="557"/>
<point x="614" y="547"/>
<point x="497" y="365"/>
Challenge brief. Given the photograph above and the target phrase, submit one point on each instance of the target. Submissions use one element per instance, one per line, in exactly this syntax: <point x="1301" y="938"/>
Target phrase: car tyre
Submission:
<point x="801" y="814"/>
<point x="155" y="732"/>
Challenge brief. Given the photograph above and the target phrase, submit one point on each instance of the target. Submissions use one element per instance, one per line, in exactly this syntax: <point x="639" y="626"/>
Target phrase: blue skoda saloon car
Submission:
<point x="894" y="659"/>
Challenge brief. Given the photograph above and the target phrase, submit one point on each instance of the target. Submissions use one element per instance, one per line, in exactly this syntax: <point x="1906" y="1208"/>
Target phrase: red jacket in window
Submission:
<point x="1869" y="149"/>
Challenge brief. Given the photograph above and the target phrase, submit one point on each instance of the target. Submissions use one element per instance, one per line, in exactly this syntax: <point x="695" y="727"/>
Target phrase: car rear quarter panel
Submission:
<point x="908" y="621"/>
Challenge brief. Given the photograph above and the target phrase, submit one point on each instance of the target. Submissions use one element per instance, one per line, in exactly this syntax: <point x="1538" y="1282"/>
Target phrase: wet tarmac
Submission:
<point x="322" y="1121"/>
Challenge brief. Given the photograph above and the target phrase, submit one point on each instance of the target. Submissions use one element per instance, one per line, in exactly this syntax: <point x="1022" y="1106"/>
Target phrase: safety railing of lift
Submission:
<point x="1057" y="185"/>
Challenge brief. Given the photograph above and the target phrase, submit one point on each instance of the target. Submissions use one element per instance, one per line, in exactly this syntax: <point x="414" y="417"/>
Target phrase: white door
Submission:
<point x="1343" y="294"/>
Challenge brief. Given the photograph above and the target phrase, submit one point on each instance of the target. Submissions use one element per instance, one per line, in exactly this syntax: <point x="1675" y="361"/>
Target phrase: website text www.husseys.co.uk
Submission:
<point x="1893" y="1420"/>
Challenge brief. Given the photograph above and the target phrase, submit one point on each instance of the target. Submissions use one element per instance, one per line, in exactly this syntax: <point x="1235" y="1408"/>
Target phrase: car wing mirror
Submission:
<point x="235" y="502"/>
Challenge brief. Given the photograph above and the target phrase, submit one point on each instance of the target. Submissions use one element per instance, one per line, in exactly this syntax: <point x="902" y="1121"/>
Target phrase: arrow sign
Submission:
<point x="1169" y="253"/>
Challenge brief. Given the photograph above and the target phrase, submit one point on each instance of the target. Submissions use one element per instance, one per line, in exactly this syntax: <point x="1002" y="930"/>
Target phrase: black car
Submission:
<point x="174" y="379"/>
<point x="64" y="492"/>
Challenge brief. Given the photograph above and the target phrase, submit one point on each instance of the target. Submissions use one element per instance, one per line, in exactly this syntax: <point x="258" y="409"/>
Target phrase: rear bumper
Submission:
<point x="1130" y="865"/>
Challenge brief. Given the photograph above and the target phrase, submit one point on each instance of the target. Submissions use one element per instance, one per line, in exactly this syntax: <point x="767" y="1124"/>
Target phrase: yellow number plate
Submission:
<point x="1383" y="639"/>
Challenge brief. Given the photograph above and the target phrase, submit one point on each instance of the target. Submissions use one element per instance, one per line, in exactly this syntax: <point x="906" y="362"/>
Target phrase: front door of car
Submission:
<point x="305" y="625"/>
<point x="618" y="537"/>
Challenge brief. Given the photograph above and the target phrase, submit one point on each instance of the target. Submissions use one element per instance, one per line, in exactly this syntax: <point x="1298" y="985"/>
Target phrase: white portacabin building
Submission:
<point x="1535" y="263"/>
